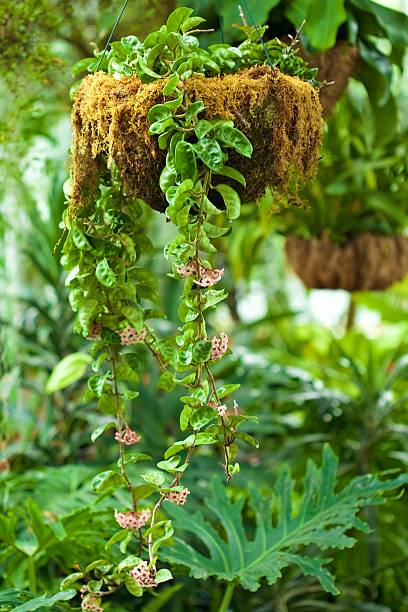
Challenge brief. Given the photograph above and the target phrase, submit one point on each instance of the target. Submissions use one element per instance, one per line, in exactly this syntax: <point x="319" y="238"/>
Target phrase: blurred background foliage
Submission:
<point x="316" y="366"/>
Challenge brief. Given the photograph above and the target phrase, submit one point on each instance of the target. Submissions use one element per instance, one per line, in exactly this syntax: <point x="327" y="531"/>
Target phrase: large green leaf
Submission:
<point x="323" y="519"/>
<point x="67" y="371"/>
<point x="322" y="22"/>
<point x="393" y="23"/>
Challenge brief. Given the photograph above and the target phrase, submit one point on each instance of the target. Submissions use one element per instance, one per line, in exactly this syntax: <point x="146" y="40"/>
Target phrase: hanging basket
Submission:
<point x="281" y="115"/>
<point x="367" y="262"/>
<point x="335" y="66"/>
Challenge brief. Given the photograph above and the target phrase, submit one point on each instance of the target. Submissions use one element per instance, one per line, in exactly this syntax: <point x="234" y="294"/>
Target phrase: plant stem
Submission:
<point x="32" y="580"/>
<point x="226" y="600"/>
<point x="120" y="423"/>
<point x="351" y="313"/>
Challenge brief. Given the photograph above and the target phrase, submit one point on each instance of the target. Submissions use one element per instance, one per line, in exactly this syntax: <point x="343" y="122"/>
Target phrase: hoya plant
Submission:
<point x="192" y="133"/>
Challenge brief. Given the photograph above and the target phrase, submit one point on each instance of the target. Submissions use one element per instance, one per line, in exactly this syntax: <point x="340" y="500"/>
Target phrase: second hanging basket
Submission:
<point x="366" y="262"/>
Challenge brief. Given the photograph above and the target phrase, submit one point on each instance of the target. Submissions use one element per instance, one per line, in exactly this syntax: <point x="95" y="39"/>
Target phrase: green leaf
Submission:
<point x="133" y="458"/>
<point x="235" y="139"/>
<point x="323" y="519"/>
<point x="70" y="369"/>
<point x="171" y="84"/>
<point x="133" y="587"/>
<point x="105" y="480"/>
<point x="227" y="390"/>
<point x="201" y="416"/>
<point x="128" y="563"/>
<point x="159" y="112"/>
<point x="97" y="383"/>
<point x="163" y="575"/>
<point x="176" y="19"/>
<point x="185" y="160"/>
<point x="191" y="23"/>
<point x="155" y="478"/>
<point x="233" y="174"/>
<point x="210" y="152"/>
<point x="80" y="240"/>
<point x="170" y="465"/>
<point x="166" y="381"/>
<point x="193" y="440"/>
<point x="45" y="602"/>
<point x="192" y="111"/>
<point x="393" y="23"/>
<point x="241" y="435"/>
<point x="71" y="579"/>
<point x="322" y="22"/>
<point x="201" y="351"/>
<point x="231" y="199"/>
<point x="101" y="429"/>
<point x="185" y="417"/>
<point x="87" y="309"/>
<point x="105" y="274"/>
<point x="208" y="207"/>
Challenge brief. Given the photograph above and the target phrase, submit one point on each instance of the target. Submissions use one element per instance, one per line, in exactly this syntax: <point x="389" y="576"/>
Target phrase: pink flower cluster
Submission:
<point x="206" y="276"/>
<point x="132" y="520"/>
<point x="219" y="346"/>
<point x="127" y="436"/>
<point x="143" y="575"/>
<point x="221" y="408"/>
<point x="130" y="336"/>
<point x="178" y="497"/>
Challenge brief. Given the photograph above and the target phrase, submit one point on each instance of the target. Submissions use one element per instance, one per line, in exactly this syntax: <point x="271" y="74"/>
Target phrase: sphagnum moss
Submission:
<point x="280" y="114"/>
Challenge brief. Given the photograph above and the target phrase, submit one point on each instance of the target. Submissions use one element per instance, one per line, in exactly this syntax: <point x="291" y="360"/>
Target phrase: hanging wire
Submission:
<point x="247" y="9"/>
<point x="221" y="20"/>
<point x="118" y="18"/>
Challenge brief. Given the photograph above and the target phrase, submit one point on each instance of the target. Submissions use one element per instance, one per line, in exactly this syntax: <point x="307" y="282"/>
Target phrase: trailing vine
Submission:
<point x="108" y="287"/>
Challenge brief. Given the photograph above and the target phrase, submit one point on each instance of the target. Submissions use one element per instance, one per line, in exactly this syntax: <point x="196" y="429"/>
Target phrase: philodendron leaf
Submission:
<point x="67" y="371"/>
<point x="323" y="519"/>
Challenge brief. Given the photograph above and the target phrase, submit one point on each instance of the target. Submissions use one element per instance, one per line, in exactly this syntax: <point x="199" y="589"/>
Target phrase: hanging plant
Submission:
<point x="352" y="236"/>
<point x="160" y="127"/>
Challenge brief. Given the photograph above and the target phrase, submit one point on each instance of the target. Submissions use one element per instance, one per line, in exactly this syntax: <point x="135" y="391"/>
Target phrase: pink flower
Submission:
<point x="178" y="497"/>
<point x="127" y="436"/>
<point x="208" y="277"/>
<point x="130" y="336"/>
<point x="188" y="270"/>
<point x="221" y="408"/>
<point x="143" y="575"/>
<point x="132" y="520"/>
<point x="219" y="346"/>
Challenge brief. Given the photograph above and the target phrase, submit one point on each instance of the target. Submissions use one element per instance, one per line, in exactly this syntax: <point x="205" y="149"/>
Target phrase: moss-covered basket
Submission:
<point x="366" y="262"/>
<point x="280" y="114"/>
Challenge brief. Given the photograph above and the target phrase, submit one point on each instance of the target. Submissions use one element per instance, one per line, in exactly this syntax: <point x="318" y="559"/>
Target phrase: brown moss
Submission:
<point x="367" y="262"/>
<point x="281" y="115"/>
